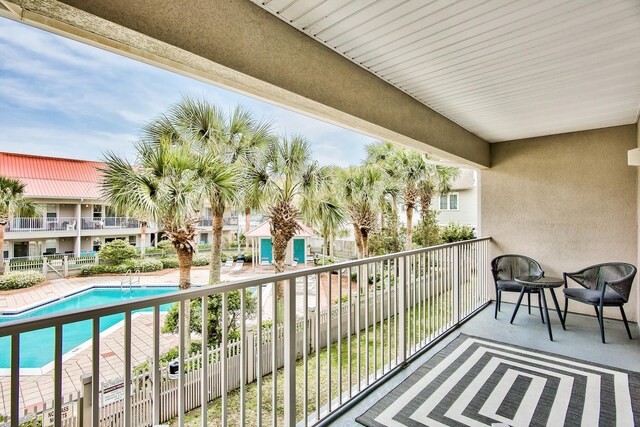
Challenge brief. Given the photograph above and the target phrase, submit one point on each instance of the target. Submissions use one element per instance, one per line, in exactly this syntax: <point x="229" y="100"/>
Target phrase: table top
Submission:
<point x="540" y="282"/>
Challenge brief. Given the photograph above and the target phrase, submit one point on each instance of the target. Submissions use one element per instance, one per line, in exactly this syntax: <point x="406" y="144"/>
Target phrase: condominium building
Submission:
<point x="74" y="219"/>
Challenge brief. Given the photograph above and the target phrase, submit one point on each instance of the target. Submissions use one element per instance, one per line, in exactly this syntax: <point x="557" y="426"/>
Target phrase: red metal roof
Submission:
<point x="53" y="177"/>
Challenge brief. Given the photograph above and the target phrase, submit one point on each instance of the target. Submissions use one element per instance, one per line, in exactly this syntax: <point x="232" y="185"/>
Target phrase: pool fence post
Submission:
<point x="65" y="266"/>
<point x="44" y="267"/>
<point x="96" y="258"/>
<point x="6" y="266"/>
<point x="85" y="417"/>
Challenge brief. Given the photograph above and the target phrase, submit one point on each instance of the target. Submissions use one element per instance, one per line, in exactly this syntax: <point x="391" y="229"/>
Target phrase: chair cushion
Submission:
<point x="593" y="295"/>
<point x="509" y="285"/>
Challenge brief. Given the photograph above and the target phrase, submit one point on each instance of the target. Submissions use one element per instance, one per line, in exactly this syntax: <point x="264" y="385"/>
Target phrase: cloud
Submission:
<point x="63" y="98"/>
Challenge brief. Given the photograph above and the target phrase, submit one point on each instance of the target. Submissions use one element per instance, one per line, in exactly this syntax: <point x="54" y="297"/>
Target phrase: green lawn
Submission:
<point x="382" y="347"/>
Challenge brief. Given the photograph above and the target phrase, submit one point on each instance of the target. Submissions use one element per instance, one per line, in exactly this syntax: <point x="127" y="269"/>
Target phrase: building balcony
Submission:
<point x="109" y="222"/>
<point x="207" y="222"/>
<point x="41" y="224"/>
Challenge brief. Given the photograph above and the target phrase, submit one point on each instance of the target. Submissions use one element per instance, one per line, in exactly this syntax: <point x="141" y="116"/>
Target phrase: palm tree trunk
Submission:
<point x="409" y="243"/>
<point x="247" y="226"/>
<point x="325" y="248"/>
<point x="365" y="243"/>
<point x="2" y="249"/>
<point x="216" y="242"/>
<point x="143" y="237"/>
<point x="358" y="237"/>
<point x="185" y="260"/>
<point x="330" y="246"/>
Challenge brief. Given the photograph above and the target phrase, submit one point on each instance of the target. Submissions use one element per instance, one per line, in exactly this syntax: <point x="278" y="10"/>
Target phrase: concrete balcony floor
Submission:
<point x="581" y="340"/>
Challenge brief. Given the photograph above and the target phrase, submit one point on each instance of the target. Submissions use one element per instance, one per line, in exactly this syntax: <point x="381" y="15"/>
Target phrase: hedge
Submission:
<point x="144" y="265"/>
<point x="199" y="260"/>
<point x="20" y="279"/>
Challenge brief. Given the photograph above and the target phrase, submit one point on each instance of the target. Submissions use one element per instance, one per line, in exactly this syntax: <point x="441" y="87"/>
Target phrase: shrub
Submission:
<point x="427" y="232"/>
<point x="201" y="259"/>
<point x="169" y="262"/>
<point x="215" y="309"/>
<point x="144" y="265"/>
<point x="20" y="279"/>
<point x="117" y="252"/>
<point x="167" y="246"/>
<point x="455" y="232"/>
<point x="150" y="251"/>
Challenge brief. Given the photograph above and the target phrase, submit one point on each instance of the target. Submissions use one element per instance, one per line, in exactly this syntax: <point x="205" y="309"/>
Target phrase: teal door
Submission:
<point x="299" y="250"/>
<point x="266" y="249"/>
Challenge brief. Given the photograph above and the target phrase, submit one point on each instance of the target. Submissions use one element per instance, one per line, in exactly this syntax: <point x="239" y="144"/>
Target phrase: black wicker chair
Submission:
<point x="603" y="285"/>
<point x="506" y="268"/>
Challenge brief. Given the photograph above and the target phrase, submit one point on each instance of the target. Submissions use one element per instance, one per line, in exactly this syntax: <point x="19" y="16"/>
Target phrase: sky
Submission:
<point x="62" y="98"/>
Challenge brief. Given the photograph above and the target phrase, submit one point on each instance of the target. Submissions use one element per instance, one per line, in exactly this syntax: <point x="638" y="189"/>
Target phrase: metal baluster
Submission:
<point x="259" y="357"/>
<point x="396" y="330"/>
<point x="181" y="380"/>
<point x="366" y="325"/>
<point x="329" y="312"/>
<point x="274" y="354"/>
<point x="15" y="380"/>
<point x="374" y="330"/>
<point x="317" y="334"/>
<point x="57" y="378"/>
<point x="350" y="331"/>
<point x="289" y="325"/>
<point x="156" y="365"/>
<point x="243" y="356"/>
<point x="358" y="344"/>
<point x="419" y="302"/>
<point x="382" y="296"/>
<point x="340" y="337"/>
<point x="224" y="341"/>
<point x="305" y="351"/>
<point x="389" y="314"/>
<point x="204" y="371"/>
<point x="95" y="372"/>
<point x="413" y="306"/>
<point x="127" y="368"/>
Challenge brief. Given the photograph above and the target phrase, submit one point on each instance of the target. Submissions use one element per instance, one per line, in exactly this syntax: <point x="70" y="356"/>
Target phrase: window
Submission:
<point x="132" y="240"/>
<point x="96" y="245"/>
<point x="52" y="212"/>
<point x="97" y="212"/>
<point x="204" y="238"/>
<point x="109" y="212"/>
<point x="50" y="246"/>
<point x="449" y="202"/>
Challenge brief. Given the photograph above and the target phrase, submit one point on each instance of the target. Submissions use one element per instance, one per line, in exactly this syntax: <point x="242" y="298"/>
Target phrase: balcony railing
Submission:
<point x="109" y="222"/>
<point x="41" y="224"/>
<point x="371" y="315"/>
<point x="226" y="221"/>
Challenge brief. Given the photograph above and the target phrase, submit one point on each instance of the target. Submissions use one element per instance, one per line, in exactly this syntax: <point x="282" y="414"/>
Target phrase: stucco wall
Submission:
<point x="569" y="201"/>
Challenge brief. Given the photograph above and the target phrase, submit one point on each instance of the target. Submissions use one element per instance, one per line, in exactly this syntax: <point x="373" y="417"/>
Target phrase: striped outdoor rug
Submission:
<point x="477" y="382"/>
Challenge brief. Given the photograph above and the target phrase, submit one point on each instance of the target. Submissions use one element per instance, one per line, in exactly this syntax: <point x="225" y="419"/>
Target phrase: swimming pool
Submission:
<point x="36" y="347"/>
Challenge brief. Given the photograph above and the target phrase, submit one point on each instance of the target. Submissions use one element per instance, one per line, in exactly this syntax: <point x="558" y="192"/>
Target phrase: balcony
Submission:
<point x="377" y="313"/>
<point x="109" y="223"/>
<point x="41" y="224"/>
<point x="230" y="221"/>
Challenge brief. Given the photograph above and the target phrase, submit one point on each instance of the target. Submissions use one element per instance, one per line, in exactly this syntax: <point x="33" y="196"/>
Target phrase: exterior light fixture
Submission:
<point x="633" y="157"/>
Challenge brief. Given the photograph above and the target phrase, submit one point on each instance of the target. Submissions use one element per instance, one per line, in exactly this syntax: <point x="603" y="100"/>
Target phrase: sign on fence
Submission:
<point x="48" y="416"/>
<point x="112" y="391"/>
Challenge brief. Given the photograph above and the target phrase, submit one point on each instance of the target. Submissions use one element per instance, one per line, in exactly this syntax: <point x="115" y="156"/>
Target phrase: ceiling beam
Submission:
<point x="248" y="49"/>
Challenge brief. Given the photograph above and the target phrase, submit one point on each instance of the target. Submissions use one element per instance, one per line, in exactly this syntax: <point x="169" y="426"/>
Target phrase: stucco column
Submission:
<point x="78" y="248"/>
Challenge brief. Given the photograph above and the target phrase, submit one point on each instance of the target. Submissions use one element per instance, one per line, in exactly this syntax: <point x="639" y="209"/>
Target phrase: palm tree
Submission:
<point x="232" y="138"/>
<point x="362" y="188"/>
<point x="329" y="216"/>
<point x="289" y="182"/>
<point x="165" y="185"/>
<point x="438" y="179"/>
<point x="12" y="204"/>
<point x="412" y="171"/>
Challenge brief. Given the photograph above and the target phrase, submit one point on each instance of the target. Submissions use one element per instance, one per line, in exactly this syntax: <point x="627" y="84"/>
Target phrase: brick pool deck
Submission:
<point x="38" y="389"/>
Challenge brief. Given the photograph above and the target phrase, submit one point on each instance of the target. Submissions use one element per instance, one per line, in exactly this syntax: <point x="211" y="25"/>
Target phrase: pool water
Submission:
<point x="36" y="347"/>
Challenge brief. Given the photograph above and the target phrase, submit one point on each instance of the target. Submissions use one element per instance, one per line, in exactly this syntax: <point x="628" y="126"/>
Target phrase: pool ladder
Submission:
<point x="131" y="278"/>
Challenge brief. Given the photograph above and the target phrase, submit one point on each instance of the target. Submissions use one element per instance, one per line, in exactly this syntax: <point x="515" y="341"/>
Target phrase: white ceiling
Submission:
<point x="503" y="70"/>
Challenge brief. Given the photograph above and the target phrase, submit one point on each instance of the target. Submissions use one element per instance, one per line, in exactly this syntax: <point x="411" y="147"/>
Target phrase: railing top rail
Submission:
<point x="47" y="321"/>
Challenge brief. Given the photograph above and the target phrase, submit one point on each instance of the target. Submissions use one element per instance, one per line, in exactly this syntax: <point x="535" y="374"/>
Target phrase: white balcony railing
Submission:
<point x="387" y="310"/>
<point x="41" y="224"/>
<point x="109" y="223"/>
<point x="226" y="221"/>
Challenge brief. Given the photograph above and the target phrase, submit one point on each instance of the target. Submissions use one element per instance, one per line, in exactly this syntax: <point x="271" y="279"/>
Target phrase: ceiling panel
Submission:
<point x="502" y="70"/>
